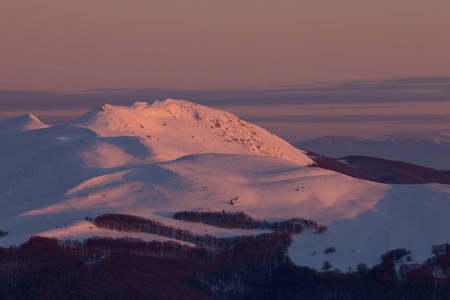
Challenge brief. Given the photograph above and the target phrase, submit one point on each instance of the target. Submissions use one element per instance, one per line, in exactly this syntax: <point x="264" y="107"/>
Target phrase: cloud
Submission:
<point x="401" y="89"/>
<point x="369" y="91"/>
<point x="414" y="119"/>
<point x="350" y="93"/>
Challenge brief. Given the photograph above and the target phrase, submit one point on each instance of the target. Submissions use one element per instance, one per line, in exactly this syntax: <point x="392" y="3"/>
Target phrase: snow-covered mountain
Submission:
<point x="433" y="152"/>
<point x="174" y="128"/>
<point x="21" y="123"/>
<point x="155" y="159"/>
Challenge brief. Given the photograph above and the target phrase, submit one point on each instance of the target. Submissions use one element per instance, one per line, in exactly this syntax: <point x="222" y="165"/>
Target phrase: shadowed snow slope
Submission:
<point x="412" y="217"/>
<point x="175" y="128"/>
<point x="21" y="123"/>
<point x="154" y="160"/>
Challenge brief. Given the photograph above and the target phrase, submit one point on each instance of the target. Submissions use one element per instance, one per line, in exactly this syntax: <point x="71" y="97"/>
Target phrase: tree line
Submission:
<point x="243" y="221"/>
<point x="123" y="222"/>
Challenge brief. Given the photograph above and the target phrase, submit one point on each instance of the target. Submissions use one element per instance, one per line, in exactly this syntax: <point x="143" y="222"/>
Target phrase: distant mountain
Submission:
<point x="20" y="124"/>
<point x="381" y="170"/>
<point x="433" y="153"/>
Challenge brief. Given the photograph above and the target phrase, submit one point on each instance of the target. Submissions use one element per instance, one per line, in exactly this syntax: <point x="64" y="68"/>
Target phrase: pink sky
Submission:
<point x="74" y="46"/>
<point x="77" y="45"/>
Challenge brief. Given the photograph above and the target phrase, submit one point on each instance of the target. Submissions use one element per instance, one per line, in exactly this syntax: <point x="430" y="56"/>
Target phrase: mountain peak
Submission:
<point x="175" y="128"/>
<point x="20" y="124"/>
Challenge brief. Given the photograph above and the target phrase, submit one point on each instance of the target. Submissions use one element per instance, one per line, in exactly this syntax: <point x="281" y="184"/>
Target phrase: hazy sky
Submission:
<point x="61" y="50"/>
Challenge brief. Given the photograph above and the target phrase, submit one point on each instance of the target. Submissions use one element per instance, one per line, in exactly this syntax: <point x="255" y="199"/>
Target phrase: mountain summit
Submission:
<point x="175" y="128"/>
<point x="20" y="124"/>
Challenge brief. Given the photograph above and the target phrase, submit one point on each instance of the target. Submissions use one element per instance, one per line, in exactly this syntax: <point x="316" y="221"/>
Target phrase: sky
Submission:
<point x="300" y="69"/>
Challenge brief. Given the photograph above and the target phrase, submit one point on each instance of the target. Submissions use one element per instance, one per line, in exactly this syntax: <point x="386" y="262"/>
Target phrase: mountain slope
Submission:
<point x="264" y="187"/>
<point x="414" y="217"/>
